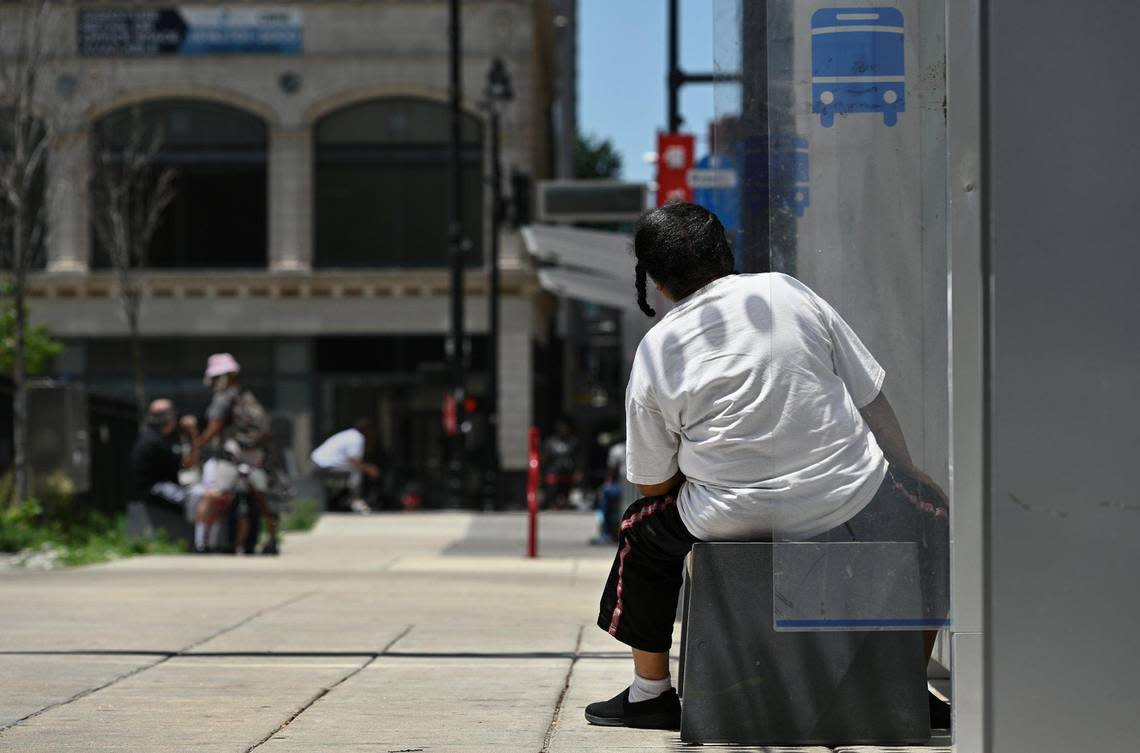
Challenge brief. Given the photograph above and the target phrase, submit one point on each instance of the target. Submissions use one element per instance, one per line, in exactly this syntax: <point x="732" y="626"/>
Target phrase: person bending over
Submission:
<point x="753" y="413"/>
<point x="156" y="460"/>
<point x="340" y="458"/>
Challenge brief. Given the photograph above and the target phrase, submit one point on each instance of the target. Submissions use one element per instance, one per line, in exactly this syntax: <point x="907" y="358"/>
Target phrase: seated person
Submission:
<point x="341" y="458"/>
<point x="156" y="460"/>
<point x="753" y="413"/>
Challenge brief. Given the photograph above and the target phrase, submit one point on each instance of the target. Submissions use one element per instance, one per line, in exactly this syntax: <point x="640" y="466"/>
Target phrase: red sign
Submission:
<point x="674" y="160"/>
<point x="450" y="415"/>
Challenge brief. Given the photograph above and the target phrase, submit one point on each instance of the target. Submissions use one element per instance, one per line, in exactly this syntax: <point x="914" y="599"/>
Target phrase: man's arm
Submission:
<point x="884" y="424"/>
<point x="372" y="471"/>
<point x="213" y="428"/>
<point x="659" y="490"/>
<point x="189" y="425"/>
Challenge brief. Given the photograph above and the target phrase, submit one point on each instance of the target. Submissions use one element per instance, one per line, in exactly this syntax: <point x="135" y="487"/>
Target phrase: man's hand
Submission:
<point x="372" y="471"/>
<point x="881" y="419"/>
<point x="924" y="485"/>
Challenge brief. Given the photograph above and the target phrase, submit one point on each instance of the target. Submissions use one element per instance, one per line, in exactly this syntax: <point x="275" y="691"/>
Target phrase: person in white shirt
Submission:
<point x="341" y="458"/>
<point x="753" y="412"/>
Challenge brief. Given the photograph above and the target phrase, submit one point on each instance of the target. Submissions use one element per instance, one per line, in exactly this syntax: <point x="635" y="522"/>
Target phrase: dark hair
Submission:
<point x="363" y="425"/>
<point x="681" y="246"/>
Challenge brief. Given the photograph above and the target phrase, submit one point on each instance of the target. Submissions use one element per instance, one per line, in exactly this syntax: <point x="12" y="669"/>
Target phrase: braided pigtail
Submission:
<point x="642" y="295"/>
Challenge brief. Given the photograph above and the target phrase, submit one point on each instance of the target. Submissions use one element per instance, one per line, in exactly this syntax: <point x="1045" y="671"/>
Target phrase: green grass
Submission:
<point x="78" y="540"/>
<point x="302" y="515"/>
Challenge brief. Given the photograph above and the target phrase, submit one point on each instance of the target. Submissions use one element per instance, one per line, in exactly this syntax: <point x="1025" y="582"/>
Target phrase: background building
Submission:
<point x="308" y="232"/>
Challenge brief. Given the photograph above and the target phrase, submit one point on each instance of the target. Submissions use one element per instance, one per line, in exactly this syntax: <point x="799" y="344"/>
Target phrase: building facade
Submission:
<point x="308" y="233"/>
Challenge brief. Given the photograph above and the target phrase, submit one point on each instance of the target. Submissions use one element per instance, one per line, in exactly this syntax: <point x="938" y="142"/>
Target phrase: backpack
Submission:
<point x="250" y="421"/>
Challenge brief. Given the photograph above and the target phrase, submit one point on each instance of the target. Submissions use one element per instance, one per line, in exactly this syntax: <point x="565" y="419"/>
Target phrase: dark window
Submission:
<point x="218" y="152"/>
<point x="31" y="220"/>
<point x="381" y="185"/>
<point x="174" y="367"/>
<point x="393" y="354"/>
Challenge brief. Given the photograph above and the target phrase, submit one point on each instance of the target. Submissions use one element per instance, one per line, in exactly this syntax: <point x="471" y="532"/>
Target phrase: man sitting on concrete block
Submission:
<point x="753" y="413"/>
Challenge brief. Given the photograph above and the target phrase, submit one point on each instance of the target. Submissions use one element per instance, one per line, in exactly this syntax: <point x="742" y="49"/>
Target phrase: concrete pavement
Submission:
<point x="425" y="632"/>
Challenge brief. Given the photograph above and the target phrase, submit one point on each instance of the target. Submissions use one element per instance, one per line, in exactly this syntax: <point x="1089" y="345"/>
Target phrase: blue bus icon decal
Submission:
<point x="857" y="63"/>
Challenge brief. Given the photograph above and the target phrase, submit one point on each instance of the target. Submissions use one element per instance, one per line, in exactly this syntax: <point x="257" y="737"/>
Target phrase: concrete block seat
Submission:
<point x="743" y="681"/>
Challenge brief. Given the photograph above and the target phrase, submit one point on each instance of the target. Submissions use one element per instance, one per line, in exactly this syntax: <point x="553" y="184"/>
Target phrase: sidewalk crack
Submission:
<point x="309" y="704"/>
<point x="162" y="660"/>
<point x="325" y="691"/>
<point x="403" y="634"/>
<point x="557" y="716"/>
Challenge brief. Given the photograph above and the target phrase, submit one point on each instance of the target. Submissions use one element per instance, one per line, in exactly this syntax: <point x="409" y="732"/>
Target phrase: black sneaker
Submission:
<point x="662" y="712"/>
<point x="270" y="548"/>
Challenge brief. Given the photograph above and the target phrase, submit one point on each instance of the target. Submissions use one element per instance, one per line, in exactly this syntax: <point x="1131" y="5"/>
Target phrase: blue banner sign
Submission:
<point x="715" y="181"/>
<point x="190" y="30"/>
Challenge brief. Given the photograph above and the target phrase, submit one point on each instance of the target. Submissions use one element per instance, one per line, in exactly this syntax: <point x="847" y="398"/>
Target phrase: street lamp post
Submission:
<point x="497" y="92"/>
<point x="456" y="243"/>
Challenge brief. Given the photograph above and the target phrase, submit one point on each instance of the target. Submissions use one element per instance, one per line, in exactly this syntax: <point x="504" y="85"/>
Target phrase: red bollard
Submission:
<point x="532" y="495"/>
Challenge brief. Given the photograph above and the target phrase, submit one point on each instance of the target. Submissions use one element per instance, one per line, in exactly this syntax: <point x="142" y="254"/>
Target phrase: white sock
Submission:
<point x="199" y="536"/>
<point x="214" y="536"/>
<point x="647" y="690"/>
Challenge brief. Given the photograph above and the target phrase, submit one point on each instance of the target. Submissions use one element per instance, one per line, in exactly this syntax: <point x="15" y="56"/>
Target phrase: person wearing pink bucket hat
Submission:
<point x="220" y="364"/>
<point x="236" y="419"/>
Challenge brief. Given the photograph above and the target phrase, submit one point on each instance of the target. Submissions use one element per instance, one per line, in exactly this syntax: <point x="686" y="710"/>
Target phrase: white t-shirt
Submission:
<point x="752" y="387"/>
<point x="339" y="450"/>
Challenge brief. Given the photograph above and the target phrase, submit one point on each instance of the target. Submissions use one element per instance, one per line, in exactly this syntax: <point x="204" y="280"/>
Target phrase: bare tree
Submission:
<point x="25" y="136"/>
<point x="130" y="192"/>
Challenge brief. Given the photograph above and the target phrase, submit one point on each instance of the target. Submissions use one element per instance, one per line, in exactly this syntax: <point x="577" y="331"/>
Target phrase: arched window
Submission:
<point x="381" y="185"/>
<point x="218" y="215"/>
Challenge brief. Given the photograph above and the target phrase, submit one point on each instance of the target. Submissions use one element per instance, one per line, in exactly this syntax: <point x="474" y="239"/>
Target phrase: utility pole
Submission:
<point x="456" y="350"/>
<point x="676" y="77"/>
<point x="755" y="215"/>
<point x="498" y="91"/>
<point x="493" y="294"/>
<point x="673" y="83"/>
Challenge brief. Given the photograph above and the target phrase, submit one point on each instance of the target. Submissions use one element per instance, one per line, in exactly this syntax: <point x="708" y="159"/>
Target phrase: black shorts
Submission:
<point x="639" y="602"/>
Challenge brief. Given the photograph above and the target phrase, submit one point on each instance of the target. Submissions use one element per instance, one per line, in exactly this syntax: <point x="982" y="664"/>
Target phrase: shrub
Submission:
<point x="20" y="527"/>
<point x="302" y="515"/>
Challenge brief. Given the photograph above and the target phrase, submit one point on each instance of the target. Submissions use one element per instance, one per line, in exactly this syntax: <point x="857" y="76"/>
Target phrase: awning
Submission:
<point x="603" y="253"/>
<point x="588" y="265"/>
<point x="583" y="286"/>
<point x="596" y="267"/>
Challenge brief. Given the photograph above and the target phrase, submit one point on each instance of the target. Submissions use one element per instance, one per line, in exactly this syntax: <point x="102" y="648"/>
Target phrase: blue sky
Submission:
<point x="622" y="49"/>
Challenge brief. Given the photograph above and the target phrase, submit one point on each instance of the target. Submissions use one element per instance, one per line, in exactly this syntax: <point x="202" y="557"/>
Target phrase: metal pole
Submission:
<point x="455" y="240"/>
<point x="533" y="476"/>
<point x="494" y="300"/>
<point x="755" y="214"/>
<point x="673" y="80"/>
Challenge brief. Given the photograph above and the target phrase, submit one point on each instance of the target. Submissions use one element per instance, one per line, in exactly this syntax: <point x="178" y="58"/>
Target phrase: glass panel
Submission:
<point x="174" y="368"/>
<point x="397" y="120"/>
<point x="391" y="214"/>
<point x="381" y="185"/>
<point x="187" y="125"/>
<point x="218" y="216"/>
<point x="835" y="116"/>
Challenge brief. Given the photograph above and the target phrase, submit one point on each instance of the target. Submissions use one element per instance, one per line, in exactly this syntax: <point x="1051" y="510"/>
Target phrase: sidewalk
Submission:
<point x="425" y="632"/>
